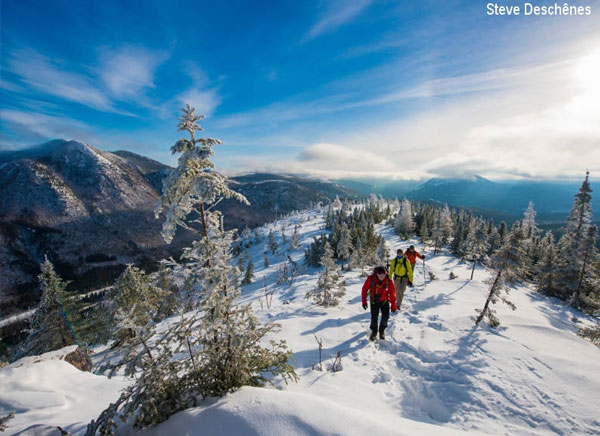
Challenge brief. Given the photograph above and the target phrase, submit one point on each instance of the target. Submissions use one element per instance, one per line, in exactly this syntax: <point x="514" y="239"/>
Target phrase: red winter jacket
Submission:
<point x="412" y="256"/>
<point x="385" y="289"/>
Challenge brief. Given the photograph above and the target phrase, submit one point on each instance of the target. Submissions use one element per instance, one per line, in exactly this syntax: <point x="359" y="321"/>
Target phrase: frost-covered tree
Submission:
<point x="546" y="270"/>
<point x="476" y="244"/>
<point x="508" y="268"/>
<point x="49" y="329"/>
<point x="135" y="303"/>
<point x="194" y="186"/>
<point x="344" y="246"/>
<point x="589" y="276"/>
<point x="330" y="284"/>
<point x="216" y="349"/>
<point x="249" y="274"/>
<point x="382" y="252"/>
<point x="295" y="240"/>
<point x="273" y="246"/>
<point x="405" y="223"/>
<point x="573" y="245"/>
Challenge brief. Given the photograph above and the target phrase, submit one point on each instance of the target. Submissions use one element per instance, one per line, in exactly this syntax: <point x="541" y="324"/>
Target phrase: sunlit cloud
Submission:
<point x="337" y="14"/>
<point x="47" y="76"/>
<point x="128" y="70"/>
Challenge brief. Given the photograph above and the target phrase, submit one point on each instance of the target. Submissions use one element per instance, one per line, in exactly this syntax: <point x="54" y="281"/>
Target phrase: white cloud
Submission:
<point x="205" y="101"/>
<point x="337" y="14"/>
<point x="129" y="70"/>
<point x="47" y="76"/>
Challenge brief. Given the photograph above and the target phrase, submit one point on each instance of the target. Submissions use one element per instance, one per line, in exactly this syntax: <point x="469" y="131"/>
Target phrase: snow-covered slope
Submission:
<point x="436" y="373"/>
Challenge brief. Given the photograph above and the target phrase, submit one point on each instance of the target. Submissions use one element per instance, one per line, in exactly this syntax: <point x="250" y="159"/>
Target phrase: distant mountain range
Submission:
<point x="505" y="200"/>
<point x="91" y="212"/>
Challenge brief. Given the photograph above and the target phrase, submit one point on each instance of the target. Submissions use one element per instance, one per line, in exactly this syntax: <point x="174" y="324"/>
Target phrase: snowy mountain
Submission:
<point x="436" y="373"/>
<point x="91" y="212"/>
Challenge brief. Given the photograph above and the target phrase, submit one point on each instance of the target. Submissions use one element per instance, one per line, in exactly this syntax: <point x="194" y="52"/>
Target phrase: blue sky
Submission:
<point x="357" y="88"/>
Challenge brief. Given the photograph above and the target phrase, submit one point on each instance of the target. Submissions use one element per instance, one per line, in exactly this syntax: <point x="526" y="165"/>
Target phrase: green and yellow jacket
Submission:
<point x="400" y="267"/>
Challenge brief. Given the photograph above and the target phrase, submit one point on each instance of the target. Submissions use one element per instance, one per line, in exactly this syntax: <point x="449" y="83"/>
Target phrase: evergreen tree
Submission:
<point x="295" y="241"/>
<point x="194" y="182"/>
<point x="405" y="224"/>
<point x="589" y="277"/>
<point x="211" y="351"/>
<point x="508" y="268"/>
<point x="50" y="328"/>
<point x="382" y="252"/>
<point x="574" y="244"/>
<point x="273" y="246"/>
<point x="330" y="284"/>
<point x="476" y="244"/>
<point x="249" y="275"/>
<point x="546" y="271"/>
<point x="135" y="303"/>
<point x="344" y="246"/>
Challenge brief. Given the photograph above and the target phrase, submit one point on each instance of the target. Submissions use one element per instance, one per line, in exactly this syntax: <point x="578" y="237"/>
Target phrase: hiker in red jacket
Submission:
<point x="412" y="254"/>
<point x="382" y="293"/>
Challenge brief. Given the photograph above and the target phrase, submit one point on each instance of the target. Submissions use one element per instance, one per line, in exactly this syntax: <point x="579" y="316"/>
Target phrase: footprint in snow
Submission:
<point x="382" y="377"/>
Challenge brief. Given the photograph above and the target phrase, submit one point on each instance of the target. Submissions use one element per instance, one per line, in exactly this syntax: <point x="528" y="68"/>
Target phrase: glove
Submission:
<point x="424" y="257"/>
<point x="365" y="306"/>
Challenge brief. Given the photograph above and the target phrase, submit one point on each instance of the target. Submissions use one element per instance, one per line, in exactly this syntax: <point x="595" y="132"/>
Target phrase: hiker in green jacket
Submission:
<point x="401" y="273"/>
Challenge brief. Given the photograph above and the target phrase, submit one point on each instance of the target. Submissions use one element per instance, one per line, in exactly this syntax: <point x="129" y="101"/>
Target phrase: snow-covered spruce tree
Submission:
<point x="249" y="274"/>
<point x="405" y="223"/>
<point x="216" y="349"/>
<point x="546" y="270"/>
<point x="135" y="304"/>
<point x="508" y="268"/>
<point x="193" y="185"/>
<point x="273" y="246"/>
<point x="476" y="244"/>
<point x="295" y="240"/>
<point x="382" y="252"/>
<point x="587" y="294"/>
<point x="344" y="246"/>
<point x="49" y="328"/>
<point x="572" y="246"/>
<point x="330" y="284"/>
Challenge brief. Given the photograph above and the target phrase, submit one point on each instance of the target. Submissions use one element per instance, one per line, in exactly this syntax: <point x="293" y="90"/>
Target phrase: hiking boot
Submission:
<point x="373" y="336"/>
<point x="381" y="335"/>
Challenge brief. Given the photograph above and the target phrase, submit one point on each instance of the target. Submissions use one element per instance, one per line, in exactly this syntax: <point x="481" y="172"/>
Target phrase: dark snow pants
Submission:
<point x="385" y="315"/>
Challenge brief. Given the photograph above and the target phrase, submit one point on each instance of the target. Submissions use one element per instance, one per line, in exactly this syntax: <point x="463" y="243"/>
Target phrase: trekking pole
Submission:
<point x="424" y="276"/>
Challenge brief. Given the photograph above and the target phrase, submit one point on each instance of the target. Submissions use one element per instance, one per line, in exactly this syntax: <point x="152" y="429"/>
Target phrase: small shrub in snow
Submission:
<point x="432" y="276"/>
<point x="266" y="261"/>
<point x="336" y="364"/>
<point x="591" y="334"/>
<point x="4" y="419"/>
<point x="452" y="276"/>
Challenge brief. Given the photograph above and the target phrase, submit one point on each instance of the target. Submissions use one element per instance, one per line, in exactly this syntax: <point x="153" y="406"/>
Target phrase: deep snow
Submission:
<point x="436" y="373"/>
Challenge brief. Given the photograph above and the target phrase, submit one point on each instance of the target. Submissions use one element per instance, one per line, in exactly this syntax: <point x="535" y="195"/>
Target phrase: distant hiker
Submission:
<point x="401" y="272"/>
<point x="383" y="293"/>
<point x="411" y="254"/>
